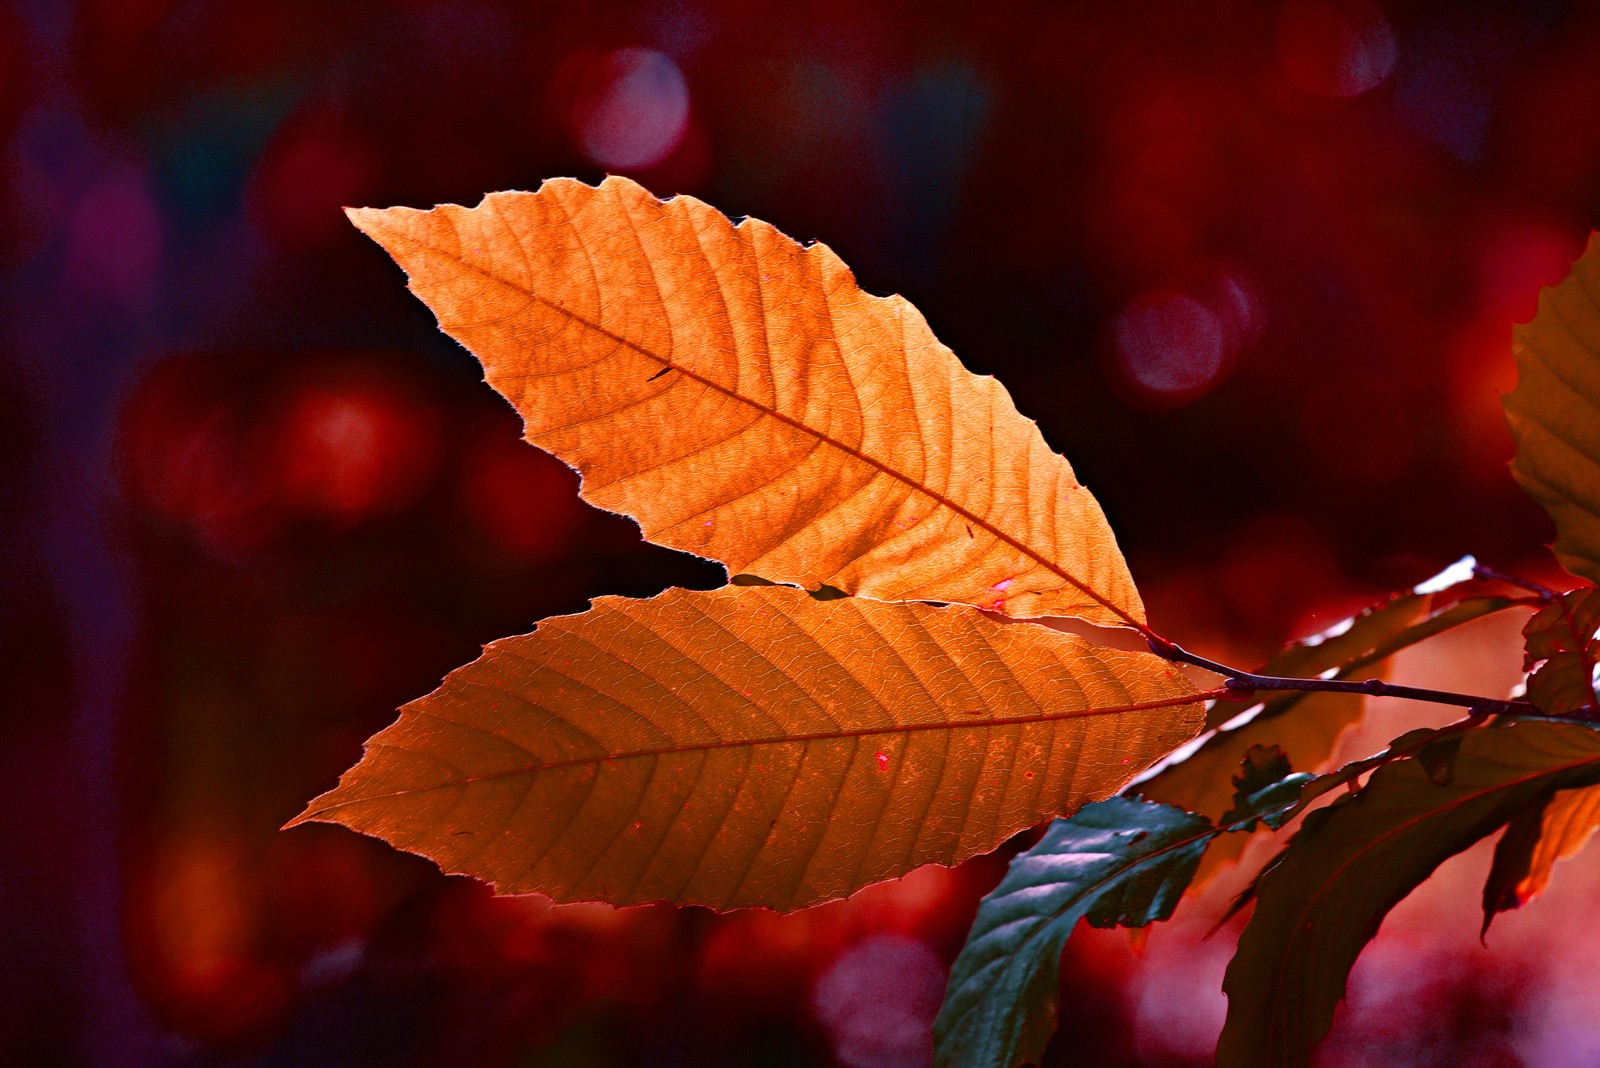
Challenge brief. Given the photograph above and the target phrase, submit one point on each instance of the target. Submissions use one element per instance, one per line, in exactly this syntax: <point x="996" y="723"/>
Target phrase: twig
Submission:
<point x="1234" y="679"/>
<point x="1490" y="574"/>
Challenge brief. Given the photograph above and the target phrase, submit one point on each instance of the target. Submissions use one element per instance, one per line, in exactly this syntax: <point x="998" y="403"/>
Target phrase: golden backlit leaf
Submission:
<point x="1555" y="411"/>
<point x="754" y="746"/>
<point x="1524" y="864"/>
<point x="745" y="400"/>
<point x="1570" y="820"/>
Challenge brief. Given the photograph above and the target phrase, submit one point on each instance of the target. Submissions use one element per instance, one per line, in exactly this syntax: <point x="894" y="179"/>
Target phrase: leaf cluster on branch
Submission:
<point x="866" y="695"/>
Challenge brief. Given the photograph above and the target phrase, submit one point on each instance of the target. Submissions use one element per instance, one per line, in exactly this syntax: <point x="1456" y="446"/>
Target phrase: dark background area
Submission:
<point x="1252" y="266"/>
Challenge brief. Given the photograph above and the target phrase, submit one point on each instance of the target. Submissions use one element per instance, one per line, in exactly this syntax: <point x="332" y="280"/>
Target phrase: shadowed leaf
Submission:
<point x="745" y="400"/>
<point x="1524" y="861"/>
<point x="754" y="746"/>
<point x="1323" y="898"/>
<point x="1554" y="412"/>
<point x="1305" y="725"/>
<point x="1562" y="653"/>
<point x="1264" y="789"/>
<point x="1513" y="854"/>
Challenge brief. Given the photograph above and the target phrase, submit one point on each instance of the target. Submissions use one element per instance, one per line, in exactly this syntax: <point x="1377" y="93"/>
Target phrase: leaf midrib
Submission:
<point x="742" y="743"/>
<point x="914" y="484"/>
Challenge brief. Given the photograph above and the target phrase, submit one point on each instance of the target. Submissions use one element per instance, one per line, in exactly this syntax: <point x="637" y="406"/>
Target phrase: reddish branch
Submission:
<point x="1477" y="707"/>
<point x="1245" y="681"/>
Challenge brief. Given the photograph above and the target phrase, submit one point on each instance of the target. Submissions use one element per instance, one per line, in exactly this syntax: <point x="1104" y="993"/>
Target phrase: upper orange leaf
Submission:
<point x="1555" y="411"/>
<point x="741" y="397"/>
<point x="754" y="746"/>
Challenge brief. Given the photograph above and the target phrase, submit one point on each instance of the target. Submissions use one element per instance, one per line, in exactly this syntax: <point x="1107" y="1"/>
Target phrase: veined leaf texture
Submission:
<point x="1565" y="826"/>
<point x="1324" y="897"/>
<point x="743" y="399"/>
<point x="1555" y="411"/>
<point x="1119" y="861"/>
<point x="1561" y="652"/>
<point x="755" y="746"/>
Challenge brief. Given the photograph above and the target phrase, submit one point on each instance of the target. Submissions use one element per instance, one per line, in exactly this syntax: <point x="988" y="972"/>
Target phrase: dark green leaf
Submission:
<point x="1323" y="898"/>
<point x="1261" y="766"/>
<point x="1118" y="861"/>
<point x="1264" y="790"/>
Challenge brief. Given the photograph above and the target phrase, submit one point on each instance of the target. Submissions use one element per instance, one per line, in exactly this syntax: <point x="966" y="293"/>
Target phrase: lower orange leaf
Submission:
<point x="1570" y="821"/>
<point x="754" y="746"/>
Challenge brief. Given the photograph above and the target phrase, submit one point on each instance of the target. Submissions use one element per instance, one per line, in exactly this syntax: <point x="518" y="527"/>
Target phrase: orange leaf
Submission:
<point x="1554" y="412"/>
<point x="741" y="397"/>
<point x="754" y="746"/>
<point x="1570" y="820"/>
<point x="1526" y="855"/>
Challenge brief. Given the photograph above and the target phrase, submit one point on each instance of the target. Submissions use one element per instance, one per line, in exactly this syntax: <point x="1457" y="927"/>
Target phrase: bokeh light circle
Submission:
<point x="1336" y="50"/>
<point x="631" y="109"/>
<point x="1168" y="346"/>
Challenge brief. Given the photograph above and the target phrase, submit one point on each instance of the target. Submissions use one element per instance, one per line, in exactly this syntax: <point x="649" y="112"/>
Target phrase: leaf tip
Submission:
<point x="316" y="811"/>
<point x="364" y="219"/>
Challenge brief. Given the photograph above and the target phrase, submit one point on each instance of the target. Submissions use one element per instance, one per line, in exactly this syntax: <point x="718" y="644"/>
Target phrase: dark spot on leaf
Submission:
<point x="1439" y="760"/>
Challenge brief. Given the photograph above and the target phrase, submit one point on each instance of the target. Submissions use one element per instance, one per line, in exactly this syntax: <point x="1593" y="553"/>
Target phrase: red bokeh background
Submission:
<point x="1252" y="266"/>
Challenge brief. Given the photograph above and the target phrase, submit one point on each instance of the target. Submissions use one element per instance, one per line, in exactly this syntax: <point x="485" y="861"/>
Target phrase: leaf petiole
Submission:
<point x="1234" y="679"/>
<point x="1490" y="574"/>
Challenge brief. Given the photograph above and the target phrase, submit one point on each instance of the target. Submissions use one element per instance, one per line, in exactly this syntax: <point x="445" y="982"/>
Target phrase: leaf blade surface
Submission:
<point x="1554" y="411"/>
<point x="1121" y="862"/>
<point x="1118" y="861"/>
<point x="754" y="746"/>
<point x="1325" y="896"/>
<point x="1562" y="653"/>
<point x="745" y="400"/>
<point x="1525" y="863"/>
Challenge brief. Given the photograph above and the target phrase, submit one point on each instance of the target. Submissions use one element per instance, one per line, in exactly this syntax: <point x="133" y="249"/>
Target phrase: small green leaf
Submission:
<point x="1562" y="652"/>
<point x="1322" y="899"/>
<point x="1262" y="766"/>
<point x="1264" y="790"/>
<point x="1119" y="861"/>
